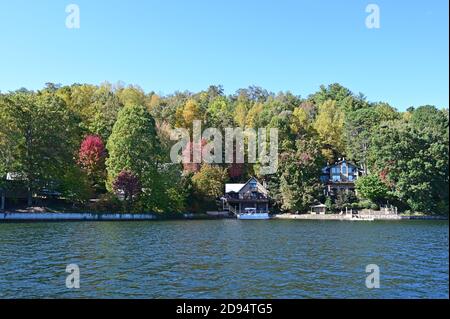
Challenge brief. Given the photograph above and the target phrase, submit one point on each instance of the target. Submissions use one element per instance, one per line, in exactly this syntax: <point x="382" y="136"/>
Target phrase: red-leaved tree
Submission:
<point x="91" y="158"/>
<point x="127" y="185"/>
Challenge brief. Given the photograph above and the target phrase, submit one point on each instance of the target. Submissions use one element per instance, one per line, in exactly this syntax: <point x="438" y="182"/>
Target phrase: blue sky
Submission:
<point x="169" y="45"/>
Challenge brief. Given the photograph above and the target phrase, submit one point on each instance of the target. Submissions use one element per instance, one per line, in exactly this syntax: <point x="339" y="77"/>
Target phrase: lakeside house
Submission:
<point x="251" y="194"/>
<point x="340" y="176"/>
<point x="13" y="189"/>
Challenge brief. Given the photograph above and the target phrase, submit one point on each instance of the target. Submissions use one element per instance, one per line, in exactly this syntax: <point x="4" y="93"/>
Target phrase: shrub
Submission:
<point x="365" y="204"/>
<point x="372" y="187"/>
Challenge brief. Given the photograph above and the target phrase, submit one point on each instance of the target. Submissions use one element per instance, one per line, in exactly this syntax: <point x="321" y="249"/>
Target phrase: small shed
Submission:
<point x="318" y="209"/>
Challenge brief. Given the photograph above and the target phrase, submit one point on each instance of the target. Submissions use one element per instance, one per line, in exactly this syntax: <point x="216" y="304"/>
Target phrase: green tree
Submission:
<point x="345" y="99"/>
<point x="412" y="158"/>
<point x="131" y="95"/>
<point x="360" y="126"/>
<point x="371" y="187"/>
<point x="75" y="186"/>
<point x="40" y="136"/>
<point x="209" y="181"/>
<point x="102" y="113"/>
<point x="219" y="113"/>
<point x="296" y="185"/>
<point x="176" y="189"/>
<point x="134" y="146"/>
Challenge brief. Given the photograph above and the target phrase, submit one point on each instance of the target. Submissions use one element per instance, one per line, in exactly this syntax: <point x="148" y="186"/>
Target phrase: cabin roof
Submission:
<point x="339" y="163"/>
<point x="235" y="187"/>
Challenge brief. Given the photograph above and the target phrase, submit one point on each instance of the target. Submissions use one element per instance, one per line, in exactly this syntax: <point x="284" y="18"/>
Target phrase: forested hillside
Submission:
<point x="110" y="141"/>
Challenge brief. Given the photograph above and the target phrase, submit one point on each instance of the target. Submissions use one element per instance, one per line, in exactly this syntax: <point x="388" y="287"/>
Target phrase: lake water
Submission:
<point x="225" y="259"/>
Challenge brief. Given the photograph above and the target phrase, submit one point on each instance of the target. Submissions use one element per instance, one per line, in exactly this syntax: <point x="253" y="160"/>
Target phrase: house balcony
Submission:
<point x="246" y="197"/>
<point x="247" y="200"/>
<point x="340" y="179"/>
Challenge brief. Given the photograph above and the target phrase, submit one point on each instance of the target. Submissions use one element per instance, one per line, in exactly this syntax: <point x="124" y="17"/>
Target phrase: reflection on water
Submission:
<point x="225" y="259"/>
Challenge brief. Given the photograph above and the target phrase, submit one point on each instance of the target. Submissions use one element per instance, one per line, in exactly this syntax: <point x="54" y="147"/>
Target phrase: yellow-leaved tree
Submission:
<point x="253" y="114"/>
<point x="240" y="114"/>
<point x="300" y="121"/>
<point x="329" y="125"/>
<point x="191" y="112"/>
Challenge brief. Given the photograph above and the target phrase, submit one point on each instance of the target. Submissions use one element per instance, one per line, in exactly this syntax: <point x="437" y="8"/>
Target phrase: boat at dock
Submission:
<point x="252" y="214"/>
<point x="362" y="218"/>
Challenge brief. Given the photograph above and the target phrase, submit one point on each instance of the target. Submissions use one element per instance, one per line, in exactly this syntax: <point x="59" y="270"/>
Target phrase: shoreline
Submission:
<point x="87" y="216"/>
<point x="385" y="217"/>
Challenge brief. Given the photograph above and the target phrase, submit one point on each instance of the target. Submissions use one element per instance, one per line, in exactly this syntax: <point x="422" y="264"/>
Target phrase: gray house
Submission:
<point x="251" y="194"/>
<point x="340" y="176"/>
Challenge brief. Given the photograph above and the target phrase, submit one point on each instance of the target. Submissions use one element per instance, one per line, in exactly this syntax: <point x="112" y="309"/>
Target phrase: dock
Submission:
<point x="345" y="217"/>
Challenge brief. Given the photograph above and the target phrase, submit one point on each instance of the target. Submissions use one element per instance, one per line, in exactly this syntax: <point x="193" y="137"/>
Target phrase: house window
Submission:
<point x="350" y="178"/>
<point x="351" y="171"/>
<point x="336" y="178"/>
<point x="344" y="169"/>
<point x="335" y="170"/>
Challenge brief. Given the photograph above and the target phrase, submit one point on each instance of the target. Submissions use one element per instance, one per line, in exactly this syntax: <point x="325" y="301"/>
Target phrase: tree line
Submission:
<point x="112" y="143"/>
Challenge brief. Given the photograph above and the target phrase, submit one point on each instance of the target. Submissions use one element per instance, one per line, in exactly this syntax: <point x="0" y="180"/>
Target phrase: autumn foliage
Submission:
<point x="91" y="158"/>
<point x="127" y="185"/>
<point x="91" y="155"/>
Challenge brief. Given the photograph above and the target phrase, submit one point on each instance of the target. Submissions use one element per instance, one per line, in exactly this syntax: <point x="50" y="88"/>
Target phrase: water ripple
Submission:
<point x="224" y="259"/>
